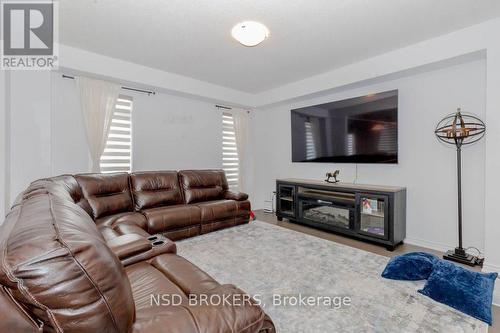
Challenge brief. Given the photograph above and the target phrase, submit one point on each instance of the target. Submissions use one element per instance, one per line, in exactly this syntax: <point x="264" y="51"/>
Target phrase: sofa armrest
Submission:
<point x="125" y="229"/>
<point x="238" y="196"/>
<point x="129" y="245"/>
<point x="159" y="245"/>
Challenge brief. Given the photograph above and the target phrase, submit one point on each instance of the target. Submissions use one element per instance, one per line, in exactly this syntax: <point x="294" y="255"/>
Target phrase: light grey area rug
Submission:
<point x="266" y="260"/>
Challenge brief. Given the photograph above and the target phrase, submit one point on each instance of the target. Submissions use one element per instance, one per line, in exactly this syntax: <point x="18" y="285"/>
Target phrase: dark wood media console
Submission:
<point x="367" y="212"/>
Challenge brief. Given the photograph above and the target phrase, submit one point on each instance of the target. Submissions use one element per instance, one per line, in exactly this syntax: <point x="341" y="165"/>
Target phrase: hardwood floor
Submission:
<point x="404" y="248"/>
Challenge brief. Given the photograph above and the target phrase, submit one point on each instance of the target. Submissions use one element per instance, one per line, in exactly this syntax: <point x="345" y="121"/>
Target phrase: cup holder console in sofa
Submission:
<point x="157" y="240"/>
<point x="133" y="248"/>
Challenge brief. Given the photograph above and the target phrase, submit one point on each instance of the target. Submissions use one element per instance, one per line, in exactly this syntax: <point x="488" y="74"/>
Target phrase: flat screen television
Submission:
<point x="356" y="130"/>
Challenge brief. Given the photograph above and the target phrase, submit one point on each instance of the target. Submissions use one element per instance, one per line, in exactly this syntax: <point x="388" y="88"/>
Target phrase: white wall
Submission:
<point x="426" y="167"/>
<point x="80" y="61"/>
<point x="492" y="208"/>
<point x="3" y="137"/>
<point x="160" y="122"/>
<point x="173" y="133"/>
<point x="30" y="124"/>
<point x="68" y="137"/>
<point x="46" y="134"/>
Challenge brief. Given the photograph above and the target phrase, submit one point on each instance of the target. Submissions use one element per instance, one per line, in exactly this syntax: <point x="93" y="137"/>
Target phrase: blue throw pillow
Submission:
<point x="411" y="266"/>
<point x="462" y="289"/>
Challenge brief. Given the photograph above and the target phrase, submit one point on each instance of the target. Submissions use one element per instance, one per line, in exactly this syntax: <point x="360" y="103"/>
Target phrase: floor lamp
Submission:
<point x="460" y="129"/>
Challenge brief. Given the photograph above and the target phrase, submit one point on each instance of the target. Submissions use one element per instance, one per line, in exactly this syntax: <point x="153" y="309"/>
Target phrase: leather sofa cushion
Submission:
<point x="112" y="226"/>
<point x="121" y="229"/>
<point x="58" y="266"/>
<point x="222" y="209"/>
<point x="162" y="219"/>
<point x="146" y="282"/>
<point x="129" y="218"/>
<point x="14" y="318"/>
<point x="169" y="275"/>
<point x="153" y="189"/>
<point x="238" y="196"/>
<point x="125" y="229"/>
<point x="108" y="233"/>
<point x="153" y="278"/>
<point x="204" y="318"/>
<point x="184" y="274"/>
<point x="203" y="185"/>
<point x="106" y="194"/>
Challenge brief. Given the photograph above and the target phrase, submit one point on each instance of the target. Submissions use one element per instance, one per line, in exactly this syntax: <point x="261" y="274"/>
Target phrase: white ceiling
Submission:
<point x="308" y="37"/>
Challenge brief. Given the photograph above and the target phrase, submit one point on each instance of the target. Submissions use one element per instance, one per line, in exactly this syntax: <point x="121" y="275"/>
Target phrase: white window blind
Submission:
<point x="117" y="156"/>
<point x="310" y="144"/>
<point x="387" y="140"/>
<point x="230" y="160"/>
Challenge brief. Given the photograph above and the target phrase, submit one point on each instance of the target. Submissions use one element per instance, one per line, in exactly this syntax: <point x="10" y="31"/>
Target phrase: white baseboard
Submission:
<point x="489" y="268"/>
<point x="428" y="244"/>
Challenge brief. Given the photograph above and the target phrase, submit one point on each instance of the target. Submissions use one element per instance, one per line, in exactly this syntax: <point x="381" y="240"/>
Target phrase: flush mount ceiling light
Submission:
<point x="250" y="33"/>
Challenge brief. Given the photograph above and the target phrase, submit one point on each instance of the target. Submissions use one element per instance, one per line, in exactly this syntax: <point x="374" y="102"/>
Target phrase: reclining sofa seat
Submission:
<point x="59" y="274"/>
<point x="176" y="204"/>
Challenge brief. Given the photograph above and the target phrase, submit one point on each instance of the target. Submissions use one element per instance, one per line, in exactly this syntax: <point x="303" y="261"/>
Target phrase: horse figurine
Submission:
<point x="333" y="175"/>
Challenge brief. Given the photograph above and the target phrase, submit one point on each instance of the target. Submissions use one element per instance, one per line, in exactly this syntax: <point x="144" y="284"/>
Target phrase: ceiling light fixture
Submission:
<point x="250" y="33"/>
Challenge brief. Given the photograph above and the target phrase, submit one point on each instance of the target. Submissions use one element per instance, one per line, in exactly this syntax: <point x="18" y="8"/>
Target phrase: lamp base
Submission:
<point x="459" y="255"/>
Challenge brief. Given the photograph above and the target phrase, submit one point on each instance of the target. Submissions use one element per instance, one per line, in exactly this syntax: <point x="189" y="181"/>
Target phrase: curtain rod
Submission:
<point x="223" y="107"/>
<point x="227" y="108"/>
<point x="125" y="88"/>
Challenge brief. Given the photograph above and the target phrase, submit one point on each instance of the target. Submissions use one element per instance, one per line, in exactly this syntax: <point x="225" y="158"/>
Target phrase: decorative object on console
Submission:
<point x="460" y="129"/>
<point x="332" y="175"/>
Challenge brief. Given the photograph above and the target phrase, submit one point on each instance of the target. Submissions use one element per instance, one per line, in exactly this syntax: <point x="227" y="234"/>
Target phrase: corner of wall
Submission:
<point x="5" y="142"/>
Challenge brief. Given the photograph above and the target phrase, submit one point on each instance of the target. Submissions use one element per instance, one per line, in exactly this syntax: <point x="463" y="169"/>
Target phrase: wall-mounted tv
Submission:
<point x="356" y="130"/>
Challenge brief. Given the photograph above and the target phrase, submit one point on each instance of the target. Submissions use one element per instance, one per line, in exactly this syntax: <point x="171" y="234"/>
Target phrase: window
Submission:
<point x="117" y="156"/>
<point x="387" y="140"/>
<point x="230" y="160"/>
<point x="350" y="145"/>
<point x="310" y="144"/>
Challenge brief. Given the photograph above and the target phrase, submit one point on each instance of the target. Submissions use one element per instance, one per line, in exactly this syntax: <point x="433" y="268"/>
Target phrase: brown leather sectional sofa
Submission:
<point x="94" y="253"/>
<point x="176" y="204"/>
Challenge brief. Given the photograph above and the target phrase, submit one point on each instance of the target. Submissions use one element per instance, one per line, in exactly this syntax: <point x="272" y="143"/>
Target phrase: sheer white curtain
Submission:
<point x="97" y="99"/>
<point x="240" y="118"/>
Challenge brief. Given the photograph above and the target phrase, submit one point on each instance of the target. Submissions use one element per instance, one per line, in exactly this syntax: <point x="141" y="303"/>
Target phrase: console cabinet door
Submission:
<point x="286" y="200"/>
<point x="372" y="215"/>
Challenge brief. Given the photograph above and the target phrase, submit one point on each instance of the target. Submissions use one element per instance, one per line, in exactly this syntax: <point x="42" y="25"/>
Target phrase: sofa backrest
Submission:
<point x="64" y="186"/>
<point x="153" y="189"/>
<point x="106" y="194"/>
<point x="57" y="268"/>
<point x="202" y="185"/>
